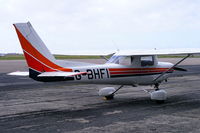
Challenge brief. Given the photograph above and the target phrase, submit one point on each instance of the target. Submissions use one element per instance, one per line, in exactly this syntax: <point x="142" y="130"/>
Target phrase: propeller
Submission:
<point x="179" y="69"/>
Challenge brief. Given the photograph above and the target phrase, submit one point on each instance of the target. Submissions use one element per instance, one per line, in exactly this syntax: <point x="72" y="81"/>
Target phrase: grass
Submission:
<point x="21" y="57"/>
<point x="12" y="57"/>
<point x="176" y="56"/>
<point x="76" y="57"/>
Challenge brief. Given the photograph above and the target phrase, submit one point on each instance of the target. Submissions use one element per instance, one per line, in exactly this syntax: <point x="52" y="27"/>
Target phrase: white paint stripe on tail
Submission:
<point x="40" y="61"/>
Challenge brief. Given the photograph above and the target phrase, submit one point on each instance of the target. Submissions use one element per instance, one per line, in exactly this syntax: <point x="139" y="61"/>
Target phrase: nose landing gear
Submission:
<point x="158" y="95"/>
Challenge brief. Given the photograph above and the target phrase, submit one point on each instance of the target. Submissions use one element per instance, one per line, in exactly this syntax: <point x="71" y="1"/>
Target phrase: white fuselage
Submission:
<point x="119" y="74"/>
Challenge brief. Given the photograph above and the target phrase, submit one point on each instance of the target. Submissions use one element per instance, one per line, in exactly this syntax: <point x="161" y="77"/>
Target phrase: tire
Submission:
<point x="110" y="97"/>
<point x="160" y="101"/>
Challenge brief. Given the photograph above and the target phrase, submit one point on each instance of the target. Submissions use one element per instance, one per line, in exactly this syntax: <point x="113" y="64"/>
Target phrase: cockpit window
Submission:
<point x="147" y="61"/>
<point x="125" y="60"/>
<point x="122" y="60"/>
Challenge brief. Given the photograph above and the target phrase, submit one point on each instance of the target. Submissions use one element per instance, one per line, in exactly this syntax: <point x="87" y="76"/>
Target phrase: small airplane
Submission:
<point x="123" y="68"/>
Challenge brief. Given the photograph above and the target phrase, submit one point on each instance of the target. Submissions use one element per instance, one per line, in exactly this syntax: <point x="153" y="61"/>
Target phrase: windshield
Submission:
<point x="114" y="59"/>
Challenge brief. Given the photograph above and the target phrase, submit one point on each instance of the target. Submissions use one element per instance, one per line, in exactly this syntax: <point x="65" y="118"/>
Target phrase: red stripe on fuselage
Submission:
<point x="136" y="69"/>
<point x="129" y="71"/>
<point x="137" y="72"/>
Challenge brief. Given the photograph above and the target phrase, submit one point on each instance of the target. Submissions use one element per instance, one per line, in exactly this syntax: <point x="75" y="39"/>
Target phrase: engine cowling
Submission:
<point x="106" y="91"/>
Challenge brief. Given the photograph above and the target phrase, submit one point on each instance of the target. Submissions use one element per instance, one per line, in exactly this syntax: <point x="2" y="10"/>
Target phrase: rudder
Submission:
<point x="37" y="55"/>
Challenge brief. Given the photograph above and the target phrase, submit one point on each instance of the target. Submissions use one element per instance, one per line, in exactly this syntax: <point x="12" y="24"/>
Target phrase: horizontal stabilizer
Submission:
<point x="60" y="74"/>
<point x="18" y="73"/>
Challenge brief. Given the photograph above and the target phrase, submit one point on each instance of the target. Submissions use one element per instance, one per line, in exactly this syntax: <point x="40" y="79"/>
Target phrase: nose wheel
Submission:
<point x="158" y="95"/>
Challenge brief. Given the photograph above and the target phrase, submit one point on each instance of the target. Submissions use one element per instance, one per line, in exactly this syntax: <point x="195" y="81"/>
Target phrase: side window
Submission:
<point x="126" y="60"/>
<point x="147" y="61"/>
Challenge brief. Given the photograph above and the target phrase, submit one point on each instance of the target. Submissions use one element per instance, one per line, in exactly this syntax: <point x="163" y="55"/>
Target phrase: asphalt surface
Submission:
<point x="30" y="106"/>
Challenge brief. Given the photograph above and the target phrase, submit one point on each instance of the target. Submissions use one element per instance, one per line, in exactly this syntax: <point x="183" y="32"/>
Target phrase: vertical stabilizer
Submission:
<point x="37" y="55"/>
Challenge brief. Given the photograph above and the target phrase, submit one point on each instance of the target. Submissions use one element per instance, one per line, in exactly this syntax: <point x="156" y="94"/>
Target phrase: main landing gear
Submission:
<point x="109" y="97"/>
<point x="157" y="95"/>
<point x="109" y="92"/>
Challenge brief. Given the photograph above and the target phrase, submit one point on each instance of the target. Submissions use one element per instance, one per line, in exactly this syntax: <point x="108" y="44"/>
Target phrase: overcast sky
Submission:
<point x="105" y="25"/>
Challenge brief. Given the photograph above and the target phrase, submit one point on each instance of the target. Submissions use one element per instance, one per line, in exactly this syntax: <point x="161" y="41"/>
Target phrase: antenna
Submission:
<point x="115" y="45"/>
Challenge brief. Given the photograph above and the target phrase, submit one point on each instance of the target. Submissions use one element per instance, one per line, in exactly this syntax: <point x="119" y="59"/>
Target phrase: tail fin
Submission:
<point x="37" y="55"/>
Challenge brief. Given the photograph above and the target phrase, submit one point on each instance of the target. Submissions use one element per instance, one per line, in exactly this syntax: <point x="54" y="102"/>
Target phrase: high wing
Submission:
<point x="159" y="52"/>
<point x="103" y="52"/>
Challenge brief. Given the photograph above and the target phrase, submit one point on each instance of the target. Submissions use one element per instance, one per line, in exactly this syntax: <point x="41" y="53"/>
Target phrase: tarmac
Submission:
<point x="35" y="107"/>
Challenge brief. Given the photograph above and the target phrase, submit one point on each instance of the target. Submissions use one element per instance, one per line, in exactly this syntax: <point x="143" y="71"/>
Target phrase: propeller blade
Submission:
<point x="179" y="69"/>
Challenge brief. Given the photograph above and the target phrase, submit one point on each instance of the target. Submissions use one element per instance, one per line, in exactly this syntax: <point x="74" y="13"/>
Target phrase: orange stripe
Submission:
<point x="136" y="72"/>
<point x="135" y="69"/>
<point x="35" y="53"/>
<point x="34" y="64"/>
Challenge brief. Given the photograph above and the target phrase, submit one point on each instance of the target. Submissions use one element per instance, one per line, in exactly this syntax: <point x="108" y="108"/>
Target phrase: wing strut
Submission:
<point x="156" y="79"/>
<point x="104" y="57"/>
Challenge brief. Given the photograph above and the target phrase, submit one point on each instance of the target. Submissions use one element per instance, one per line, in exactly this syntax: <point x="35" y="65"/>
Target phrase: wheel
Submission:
<point x="109" y="97"/>
<point x="159" y="96"/>
<point x="160" y="101"/>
